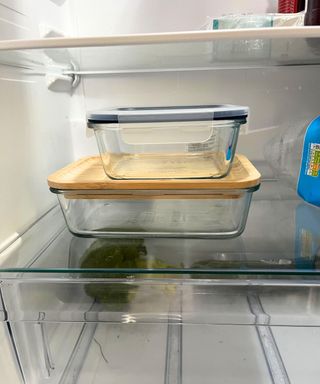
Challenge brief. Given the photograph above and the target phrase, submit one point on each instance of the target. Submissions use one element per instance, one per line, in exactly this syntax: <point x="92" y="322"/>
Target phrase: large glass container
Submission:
<point x="159" y="214"/>
<point x="96" y="206"/>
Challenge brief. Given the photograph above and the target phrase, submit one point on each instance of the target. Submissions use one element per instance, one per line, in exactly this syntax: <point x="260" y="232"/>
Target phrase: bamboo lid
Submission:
<point x="88" y="174"/>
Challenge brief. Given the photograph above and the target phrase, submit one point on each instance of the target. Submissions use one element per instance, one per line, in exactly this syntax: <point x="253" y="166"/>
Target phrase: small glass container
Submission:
<point x="96" y="206"/>
<point x="168" y="142"/>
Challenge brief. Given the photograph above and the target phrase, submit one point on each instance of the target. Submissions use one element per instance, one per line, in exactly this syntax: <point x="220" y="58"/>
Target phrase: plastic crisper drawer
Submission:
<point x="94" y="205"/>
<point x="168" y="142"/>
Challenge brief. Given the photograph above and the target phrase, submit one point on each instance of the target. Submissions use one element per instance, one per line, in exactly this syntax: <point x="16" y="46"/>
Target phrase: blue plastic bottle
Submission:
<point x="309" y="179"/>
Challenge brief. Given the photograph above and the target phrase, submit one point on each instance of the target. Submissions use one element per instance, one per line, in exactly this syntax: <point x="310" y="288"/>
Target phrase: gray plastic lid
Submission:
<point x="166" y="114"/>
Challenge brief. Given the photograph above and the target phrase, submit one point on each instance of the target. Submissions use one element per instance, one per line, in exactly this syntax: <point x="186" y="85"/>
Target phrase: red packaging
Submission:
<point x="290" y="6"/>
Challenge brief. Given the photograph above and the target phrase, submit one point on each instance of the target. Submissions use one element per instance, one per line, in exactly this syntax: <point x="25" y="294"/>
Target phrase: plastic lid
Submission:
<point x="163" y="114"/>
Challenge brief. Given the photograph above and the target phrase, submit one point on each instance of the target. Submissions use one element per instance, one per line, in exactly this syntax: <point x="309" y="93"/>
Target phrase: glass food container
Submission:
<point x="94" y="205"/>
<point x="168" y="142"/>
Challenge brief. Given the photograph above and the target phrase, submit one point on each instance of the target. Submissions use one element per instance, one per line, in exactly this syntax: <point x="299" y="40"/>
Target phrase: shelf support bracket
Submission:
<point x="58" y="62"/>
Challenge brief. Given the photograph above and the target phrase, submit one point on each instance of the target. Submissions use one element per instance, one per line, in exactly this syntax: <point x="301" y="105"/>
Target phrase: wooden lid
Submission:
<point x="88" y="174"/>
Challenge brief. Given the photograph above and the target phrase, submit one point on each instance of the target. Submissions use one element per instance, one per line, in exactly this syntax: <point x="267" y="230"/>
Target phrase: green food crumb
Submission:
<point x="117" y="254"/>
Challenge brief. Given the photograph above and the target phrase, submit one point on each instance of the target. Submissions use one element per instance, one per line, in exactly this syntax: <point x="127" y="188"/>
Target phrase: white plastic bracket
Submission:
<point x="48" y="31"/>
<point x="58" y="61"/>
<point x="57" y="81"/>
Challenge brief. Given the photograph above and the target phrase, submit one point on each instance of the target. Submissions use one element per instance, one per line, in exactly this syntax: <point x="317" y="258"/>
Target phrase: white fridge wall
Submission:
<point x="97" y="17"/>
<point x="35" y="135"/>
<point x="20" y="19"/>
<point x="35" y="142"/>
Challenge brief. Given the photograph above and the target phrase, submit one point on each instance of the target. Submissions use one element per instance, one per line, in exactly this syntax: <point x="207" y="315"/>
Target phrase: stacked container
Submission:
<point x="162" y="172"/>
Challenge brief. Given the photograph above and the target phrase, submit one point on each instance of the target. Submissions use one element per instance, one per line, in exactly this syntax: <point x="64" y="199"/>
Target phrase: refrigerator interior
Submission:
<point x="182" y="325"/>
<point x="191" y="328"/>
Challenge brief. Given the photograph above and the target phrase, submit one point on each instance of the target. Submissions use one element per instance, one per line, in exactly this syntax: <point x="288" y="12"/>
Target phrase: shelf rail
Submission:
<point x="271" y="352"/>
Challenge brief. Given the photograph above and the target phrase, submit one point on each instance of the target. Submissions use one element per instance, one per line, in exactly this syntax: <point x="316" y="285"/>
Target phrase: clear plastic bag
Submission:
<point x="283" y="152"/>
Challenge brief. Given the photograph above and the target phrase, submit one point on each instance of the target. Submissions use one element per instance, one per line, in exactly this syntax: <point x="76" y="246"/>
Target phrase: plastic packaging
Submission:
<point x="294" y="156"/>
<point x="168" y="142"/>
<point x="283" y="152"/>
<point x="252" y="49"/>
<point x="239" y="21"/>
<point x="309" y="178"/>
<point x="291" y="6"/>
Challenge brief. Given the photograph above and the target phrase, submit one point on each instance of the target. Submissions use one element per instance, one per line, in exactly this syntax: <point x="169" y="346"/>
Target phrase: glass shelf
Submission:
<point x="239" y="299"/>
<point x="281" y="238"/>
<point x="165" y="52"/>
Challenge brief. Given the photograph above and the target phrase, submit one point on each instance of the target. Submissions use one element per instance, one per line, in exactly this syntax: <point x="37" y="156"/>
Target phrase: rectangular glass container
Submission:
<point x="168" y="142"/>
<point x="159" y="213"/>
<point x="96" y="206"/>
